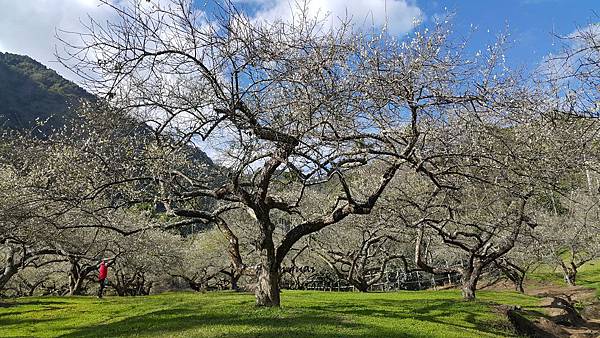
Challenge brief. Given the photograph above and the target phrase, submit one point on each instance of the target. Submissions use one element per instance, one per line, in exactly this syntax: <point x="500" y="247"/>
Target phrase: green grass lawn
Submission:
<point x="225" y="314"/>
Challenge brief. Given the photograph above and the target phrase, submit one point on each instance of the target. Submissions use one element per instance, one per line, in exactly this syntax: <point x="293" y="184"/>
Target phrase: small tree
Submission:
<point x="521" y="260"/>
<point x="361" y="250"/>
<point x="23" y="242"/>
<point x="203" y="260"/>
<point x="572" y="238"/>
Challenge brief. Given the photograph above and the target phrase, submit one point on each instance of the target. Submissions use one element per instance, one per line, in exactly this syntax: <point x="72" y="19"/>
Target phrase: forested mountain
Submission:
<point x="30" y="91"/>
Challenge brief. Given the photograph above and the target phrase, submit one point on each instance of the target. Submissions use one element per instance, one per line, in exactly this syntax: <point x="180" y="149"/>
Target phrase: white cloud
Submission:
<point x="28" y="26"/>
<point x="399" y="15"/>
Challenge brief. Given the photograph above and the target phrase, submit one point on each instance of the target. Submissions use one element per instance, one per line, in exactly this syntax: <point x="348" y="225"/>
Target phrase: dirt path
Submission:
<point x="575" y="293"/>
<point x="589" y="327"/>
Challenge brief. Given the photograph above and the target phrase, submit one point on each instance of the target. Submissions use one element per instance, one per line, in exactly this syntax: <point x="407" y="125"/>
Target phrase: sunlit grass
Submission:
<point x="223" y="314"/>
<point x="587" y="276"/>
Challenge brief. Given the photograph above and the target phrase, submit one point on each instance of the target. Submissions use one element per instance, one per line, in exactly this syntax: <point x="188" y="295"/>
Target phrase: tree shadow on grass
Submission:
<point x="36" y="302"/>
<point x="427" y="311"/>
<point x="328" y="319"/>
<point x="167" y="322"/>
<point x="19" y="321"/>
<point x="20" y="313"/>
<point x="21" y="308"/>
<point x="323" y="319"/>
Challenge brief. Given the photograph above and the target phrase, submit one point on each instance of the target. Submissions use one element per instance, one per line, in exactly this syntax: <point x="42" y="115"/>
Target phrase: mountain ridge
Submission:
<point x="34" y="96"/>
<point x="30" y="91"/>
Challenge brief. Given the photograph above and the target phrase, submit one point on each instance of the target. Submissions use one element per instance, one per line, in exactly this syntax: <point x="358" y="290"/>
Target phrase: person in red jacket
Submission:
<point x="102" y="272"/>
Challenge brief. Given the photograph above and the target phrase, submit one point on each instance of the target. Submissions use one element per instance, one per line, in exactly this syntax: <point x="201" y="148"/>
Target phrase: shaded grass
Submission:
<point x="224" y="314"/>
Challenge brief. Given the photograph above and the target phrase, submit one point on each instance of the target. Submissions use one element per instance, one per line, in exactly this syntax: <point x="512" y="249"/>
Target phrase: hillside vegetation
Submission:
<point x="30" y="91"/>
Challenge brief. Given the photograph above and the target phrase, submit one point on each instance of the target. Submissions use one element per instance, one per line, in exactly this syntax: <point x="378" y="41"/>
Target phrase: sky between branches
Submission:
<point x="28" y="26"/>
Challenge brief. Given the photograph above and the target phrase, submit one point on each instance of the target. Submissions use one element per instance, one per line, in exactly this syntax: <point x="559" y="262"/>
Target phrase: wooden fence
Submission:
<point x="391" y="281"/>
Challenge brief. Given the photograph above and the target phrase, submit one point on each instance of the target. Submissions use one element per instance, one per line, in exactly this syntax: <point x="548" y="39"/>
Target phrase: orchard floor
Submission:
<point x="226" y="314"/>
<point x="587" y="277"/>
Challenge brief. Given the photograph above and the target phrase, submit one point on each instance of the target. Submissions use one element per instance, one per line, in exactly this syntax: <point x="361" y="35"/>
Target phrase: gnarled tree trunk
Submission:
<point x="513" y="272"/>
<point x="75" y="279"/>
<point x="6" y="275"/>
<point x="267" y="288"/>
<point x="10" y="268"/>
<point x="78" y="274"/>
<point x="233" y="249"/>
<point x="75" y="286"/>
<point x="361" y="286"/>
<point x="234" y="276"/>
<point x="571" y="277"/>
<point x="570" y="273"/>
<point x="469" y="281"/>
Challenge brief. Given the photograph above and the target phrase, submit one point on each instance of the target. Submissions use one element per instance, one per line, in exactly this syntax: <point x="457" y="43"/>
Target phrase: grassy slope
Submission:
<point x="223" y="314"/>
<point x="590" y="276"/>
<point x="587" y="276"/>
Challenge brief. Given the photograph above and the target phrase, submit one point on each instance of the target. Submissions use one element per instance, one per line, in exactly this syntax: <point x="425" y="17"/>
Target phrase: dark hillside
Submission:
<point x="30" y="91"/>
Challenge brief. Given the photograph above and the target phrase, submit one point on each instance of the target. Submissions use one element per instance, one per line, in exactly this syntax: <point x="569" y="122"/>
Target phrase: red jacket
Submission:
<point x="103" y="271"/>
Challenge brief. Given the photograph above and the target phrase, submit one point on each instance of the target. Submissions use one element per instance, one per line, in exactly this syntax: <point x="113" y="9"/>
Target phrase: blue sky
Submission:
<point x="28" y="26"/>
<point x="531" y="23"/>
